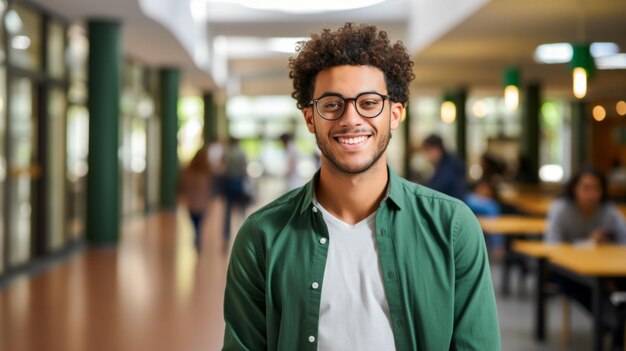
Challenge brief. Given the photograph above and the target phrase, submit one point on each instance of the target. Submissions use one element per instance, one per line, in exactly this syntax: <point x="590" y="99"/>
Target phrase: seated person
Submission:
<point x="584" y="213"/>
<point x="483" y="201"/>
<point x="449" y="176"/>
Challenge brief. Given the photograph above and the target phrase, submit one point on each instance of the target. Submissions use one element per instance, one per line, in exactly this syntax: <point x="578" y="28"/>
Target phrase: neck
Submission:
<point x="587" y="211"/>
<point x="352" y="197"/>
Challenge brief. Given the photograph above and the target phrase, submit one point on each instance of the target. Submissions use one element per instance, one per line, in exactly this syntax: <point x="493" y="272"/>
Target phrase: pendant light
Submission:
<point x="511" y="88"/>
<point x="583" y="67"/>
<point x="448" y="109"/>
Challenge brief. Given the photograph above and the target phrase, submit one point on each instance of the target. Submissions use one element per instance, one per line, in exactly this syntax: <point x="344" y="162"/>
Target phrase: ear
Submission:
<point x="308" y="118"/>
<point x="397" y="112"/>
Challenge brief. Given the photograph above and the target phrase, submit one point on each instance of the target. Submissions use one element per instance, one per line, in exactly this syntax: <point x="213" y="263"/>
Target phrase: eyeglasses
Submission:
<point x="332" y="106"/>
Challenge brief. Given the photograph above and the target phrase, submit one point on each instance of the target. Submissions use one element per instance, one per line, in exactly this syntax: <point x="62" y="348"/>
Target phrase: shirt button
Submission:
<point x="323" y="241"/>
<point x="390" y="275"/>
<point x="315" y="285"/>
<point x="311" y="338"/>
<point x="314" y="209"/>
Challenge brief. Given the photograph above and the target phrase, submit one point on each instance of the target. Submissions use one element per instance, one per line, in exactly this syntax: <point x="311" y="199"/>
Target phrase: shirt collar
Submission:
<point x="394" y="191"/>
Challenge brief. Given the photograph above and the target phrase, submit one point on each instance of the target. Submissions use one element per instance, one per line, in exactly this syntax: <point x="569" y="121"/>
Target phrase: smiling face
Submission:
<point x="353" y="144"/>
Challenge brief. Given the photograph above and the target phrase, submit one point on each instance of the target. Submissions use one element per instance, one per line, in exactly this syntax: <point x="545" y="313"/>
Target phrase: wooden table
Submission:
<point x="530" y="202"/>
<point x="589" y="265"/>
<point x="511" y="227"/>
<point x="539" y="251"/>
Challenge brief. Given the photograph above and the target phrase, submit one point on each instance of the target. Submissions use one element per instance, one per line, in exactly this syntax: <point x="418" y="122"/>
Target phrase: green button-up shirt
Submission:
<point x="432" y="255"/>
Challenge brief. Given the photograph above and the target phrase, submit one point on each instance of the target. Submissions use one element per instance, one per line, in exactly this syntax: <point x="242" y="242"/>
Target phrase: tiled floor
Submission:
<point x="154" y="293"/>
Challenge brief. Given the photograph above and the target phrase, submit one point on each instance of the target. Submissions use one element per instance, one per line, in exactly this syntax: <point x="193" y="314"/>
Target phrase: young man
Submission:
<point x="358" y="259"/>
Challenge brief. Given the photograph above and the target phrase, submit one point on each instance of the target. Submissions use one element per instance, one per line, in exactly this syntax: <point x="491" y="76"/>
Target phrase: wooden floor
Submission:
<point x="152" y="293"/>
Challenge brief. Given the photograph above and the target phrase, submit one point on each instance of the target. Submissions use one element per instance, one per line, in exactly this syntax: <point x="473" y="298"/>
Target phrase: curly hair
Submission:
<point x="350" y="45"/>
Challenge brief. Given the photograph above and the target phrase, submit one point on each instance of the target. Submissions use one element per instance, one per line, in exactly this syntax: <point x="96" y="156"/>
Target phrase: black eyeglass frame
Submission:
<point x="345" y="103"/>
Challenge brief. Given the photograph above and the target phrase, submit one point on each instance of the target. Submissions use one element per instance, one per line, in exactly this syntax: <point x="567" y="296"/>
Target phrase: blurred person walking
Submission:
<point x="292" y="157"/>
<point x="235" y="183"/>
<point x="197" y="191"/>
<point x="215" y="153"/>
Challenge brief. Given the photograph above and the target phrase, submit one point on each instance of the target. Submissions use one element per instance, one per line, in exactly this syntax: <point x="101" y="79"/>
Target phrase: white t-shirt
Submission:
<point x="354" y="314"/>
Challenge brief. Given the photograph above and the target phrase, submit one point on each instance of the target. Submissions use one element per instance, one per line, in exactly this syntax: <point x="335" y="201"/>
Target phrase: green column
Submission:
<point x="580" y="134"/>
<point x="530" y="130"/>
<point x="103" y="179"/>
<point x="170" y="80"/>
<point x="460" y="100"/>
<point x="210" y="118"/>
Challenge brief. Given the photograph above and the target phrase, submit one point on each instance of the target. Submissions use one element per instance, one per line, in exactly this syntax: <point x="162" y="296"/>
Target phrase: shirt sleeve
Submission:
<point x="475" y="312"/>
<point x="244" y="299"/>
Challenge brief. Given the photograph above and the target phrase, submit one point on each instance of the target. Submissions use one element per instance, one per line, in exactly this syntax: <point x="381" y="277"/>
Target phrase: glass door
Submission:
<point x="23" y="171"/>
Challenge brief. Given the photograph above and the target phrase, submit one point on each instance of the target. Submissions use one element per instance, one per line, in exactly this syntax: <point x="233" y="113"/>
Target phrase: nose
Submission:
<point x="350" y="116"/>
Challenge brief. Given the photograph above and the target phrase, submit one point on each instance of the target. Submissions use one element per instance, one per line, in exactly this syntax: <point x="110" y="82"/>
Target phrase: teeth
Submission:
<point x="352" y="140"/>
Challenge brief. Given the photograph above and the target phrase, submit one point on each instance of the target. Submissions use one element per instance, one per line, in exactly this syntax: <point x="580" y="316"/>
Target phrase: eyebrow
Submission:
<point x="334" y="93"/>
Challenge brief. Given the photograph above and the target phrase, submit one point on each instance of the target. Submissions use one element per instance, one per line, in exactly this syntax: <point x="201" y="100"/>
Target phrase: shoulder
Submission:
<point x="610" y="209"/>
<point x="428" y="199"/>
<point x="445" y="216"/>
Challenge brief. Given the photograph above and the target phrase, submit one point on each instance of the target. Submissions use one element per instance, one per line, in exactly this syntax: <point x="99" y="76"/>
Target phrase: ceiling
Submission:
<point x="473" y="53"/>
<point x="506" y="32"/>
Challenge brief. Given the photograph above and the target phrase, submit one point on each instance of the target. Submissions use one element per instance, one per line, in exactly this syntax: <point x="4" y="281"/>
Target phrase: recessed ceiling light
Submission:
<point x="617" y="61"/>
<point x="562" y="52"/>
<point x="553" y="53"/>
<point x="302" y="7"/>
<point x="600" y="49"/>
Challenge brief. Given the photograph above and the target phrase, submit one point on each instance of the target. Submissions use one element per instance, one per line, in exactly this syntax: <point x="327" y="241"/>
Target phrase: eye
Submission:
<point x="332" y="104"/>
<point x="370" y="103"/>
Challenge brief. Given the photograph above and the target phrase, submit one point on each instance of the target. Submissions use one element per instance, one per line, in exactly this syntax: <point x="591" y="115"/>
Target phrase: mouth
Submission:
<point x="352" y="140"/>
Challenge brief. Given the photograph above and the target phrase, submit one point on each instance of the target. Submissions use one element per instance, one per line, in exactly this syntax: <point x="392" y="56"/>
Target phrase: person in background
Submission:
<point x="235" y="177"/>
<point x="197" y="180"/>
<point x="483" y="201"/>
<point x="449" y="176"/>
<point x="215" y="153"/>
<point x="585" y="212"/>
<point x="292" y="177"/>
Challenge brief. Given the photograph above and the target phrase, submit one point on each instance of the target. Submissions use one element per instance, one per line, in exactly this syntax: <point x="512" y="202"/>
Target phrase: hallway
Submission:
<point x="152" y="293"/>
